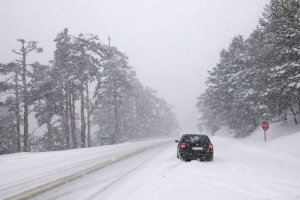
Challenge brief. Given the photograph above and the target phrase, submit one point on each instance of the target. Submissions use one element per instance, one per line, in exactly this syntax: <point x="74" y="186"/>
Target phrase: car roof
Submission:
<point x="194" y="135"/>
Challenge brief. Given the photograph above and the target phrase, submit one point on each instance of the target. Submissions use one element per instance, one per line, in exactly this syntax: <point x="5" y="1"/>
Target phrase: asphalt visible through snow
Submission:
<point x="239" y="171"/>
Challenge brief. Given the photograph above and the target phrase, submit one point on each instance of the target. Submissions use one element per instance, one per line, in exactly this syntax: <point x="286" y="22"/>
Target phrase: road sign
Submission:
<point x="265" y="125"/>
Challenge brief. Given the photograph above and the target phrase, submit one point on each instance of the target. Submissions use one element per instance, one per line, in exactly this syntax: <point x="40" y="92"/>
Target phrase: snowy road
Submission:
<point x="240" y="170"/>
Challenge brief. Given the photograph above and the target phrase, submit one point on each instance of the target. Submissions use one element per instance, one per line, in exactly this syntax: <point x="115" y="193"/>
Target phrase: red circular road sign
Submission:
<point x="265" y="125"/>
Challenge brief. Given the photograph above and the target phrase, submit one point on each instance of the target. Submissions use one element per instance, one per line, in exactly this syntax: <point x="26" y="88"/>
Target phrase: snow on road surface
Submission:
<point x="23" y="172"/>
<point x="241" y="170"/>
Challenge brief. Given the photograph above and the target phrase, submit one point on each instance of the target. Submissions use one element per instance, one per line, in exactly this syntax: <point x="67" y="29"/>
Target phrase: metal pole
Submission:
<point x="265" y="135"/>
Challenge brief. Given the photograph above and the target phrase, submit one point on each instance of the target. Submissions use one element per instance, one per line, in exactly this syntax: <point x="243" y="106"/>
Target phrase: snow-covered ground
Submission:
<point x="23" y="172"/>
<point x="242" y="169"/>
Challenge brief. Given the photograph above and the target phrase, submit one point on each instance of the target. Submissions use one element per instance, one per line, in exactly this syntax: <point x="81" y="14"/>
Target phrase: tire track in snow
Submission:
<point x="112" y="182"/>
<point x="39" y="188"/>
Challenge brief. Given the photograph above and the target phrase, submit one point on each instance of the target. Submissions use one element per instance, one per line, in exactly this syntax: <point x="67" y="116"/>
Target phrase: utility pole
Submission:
<point x="112" y="89"/>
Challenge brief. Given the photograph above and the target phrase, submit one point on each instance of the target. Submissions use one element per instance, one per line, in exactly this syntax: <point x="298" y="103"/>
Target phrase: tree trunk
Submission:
<point x="67" y="120"/>
<point x="17" y="112"/>
<point x="49" y="134"/>
<point x="25" y="99"/>
<point x="83" y="125"/>
<point x="116" y="115"/>
<point x="294" y="113"/>
<point x="299" y="107"/>
<point x="88" y="114"/>
<point x="72" y="117"/>
<point x="285" y="116"/>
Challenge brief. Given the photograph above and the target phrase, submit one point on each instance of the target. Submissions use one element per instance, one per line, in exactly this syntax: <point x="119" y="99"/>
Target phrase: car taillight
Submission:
<point x="182" y="145"/>
<point x="210" y="146"/>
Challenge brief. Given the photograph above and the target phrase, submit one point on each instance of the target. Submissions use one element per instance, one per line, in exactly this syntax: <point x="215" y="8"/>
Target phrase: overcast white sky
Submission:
<point x="171" y="43"/>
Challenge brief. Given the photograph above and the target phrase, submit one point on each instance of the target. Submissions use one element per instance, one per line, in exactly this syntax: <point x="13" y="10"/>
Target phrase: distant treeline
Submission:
<point x="259" y="77"/>
<point x="87" y="95"/>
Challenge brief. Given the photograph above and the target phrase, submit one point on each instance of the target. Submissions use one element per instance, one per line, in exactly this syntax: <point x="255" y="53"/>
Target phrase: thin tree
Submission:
<point x="26" y="48"/>
<point x="88" y="115"/>
<point x="17" y="105"/>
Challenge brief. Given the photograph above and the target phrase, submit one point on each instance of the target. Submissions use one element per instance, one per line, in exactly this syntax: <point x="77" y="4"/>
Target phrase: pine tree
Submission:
<point x="281" y="23"/>
<point x="12" y="86"/>
<point x="48" y="99"/>
<point x="256" y="78"/>
<point x="25" y="49"/>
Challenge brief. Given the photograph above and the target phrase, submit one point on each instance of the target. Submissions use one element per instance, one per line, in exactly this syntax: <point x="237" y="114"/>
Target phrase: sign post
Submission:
<point x="265" y="126"/>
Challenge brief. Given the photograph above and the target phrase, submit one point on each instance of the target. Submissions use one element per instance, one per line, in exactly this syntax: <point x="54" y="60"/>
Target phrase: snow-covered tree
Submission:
<point x="25" y="49"/>
<point x="257" y="78"/>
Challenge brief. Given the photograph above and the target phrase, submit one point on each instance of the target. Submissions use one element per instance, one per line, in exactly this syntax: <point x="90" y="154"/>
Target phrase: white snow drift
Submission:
<point x="244" y="169"/>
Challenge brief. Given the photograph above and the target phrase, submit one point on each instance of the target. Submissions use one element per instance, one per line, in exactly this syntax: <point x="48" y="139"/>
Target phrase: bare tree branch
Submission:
<point x="16" y="52"/>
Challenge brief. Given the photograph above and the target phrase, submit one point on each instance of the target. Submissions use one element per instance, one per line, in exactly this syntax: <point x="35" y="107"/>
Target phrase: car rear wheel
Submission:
<point x="186" y="159"/>
<point x="211" y="158"/>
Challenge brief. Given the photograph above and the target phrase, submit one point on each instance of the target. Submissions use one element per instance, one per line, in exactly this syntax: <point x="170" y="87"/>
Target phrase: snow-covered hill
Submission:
<point x="276" y="130"/>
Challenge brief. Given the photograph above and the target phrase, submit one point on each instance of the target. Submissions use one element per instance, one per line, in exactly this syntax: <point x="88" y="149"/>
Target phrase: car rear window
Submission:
<point x="196" y="139"/>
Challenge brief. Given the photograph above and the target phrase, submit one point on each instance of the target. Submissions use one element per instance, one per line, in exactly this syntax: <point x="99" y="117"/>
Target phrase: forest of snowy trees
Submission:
<point x="259" y="77"/>
<point x="87" y="95"/>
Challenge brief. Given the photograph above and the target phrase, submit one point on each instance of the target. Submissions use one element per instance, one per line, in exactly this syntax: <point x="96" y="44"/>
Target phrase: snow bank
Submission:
<point x="243" y="168"/>
<point x="276" y="130"/>
<point x="24" y="174"/>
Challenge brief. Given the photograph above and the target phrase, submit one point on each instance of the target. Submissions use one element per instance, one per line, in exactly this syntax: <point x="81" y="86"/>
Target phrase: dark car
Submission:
<point x="195" y="146"/>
